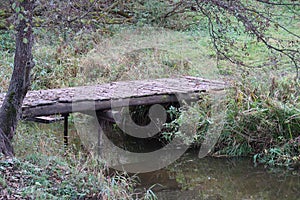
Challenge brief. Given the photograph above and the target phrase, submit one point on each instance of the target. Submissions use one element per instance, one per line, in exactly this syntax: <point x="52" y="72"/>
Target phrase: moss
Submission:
<point x="11" y="97"/>
<point x="11" y="113"/>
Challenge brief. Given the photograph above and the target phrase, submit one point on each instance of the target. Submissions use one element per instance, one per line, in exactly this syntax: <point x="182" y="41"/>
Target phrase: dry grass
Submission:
<point x="147" y="53"/>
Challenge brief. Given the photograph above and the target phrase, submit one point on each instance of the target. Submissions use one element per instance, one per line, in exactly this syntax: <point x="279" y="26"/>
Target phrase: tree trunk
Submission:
<point x="11" y="109"/>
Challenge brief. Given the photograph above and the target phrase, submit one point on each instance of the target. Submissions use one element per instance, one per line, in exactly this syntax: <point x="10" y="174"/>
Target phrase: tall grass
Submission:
<point x="261" y="120"/>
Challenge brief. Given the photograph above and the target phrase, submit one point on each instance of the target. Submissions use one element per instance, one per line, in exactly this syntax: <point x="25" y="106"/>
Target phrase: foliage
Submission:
<point x="285" y="156"/>
<point x="228" y="19"/>
<point x="260" y="121"/>
<point x="175" y="15"/>
<point x="58" y="173"/>
<point x="7" y="42"/>
<point x="40" y="177"/>
<point x="197" y="114"/>
<point x="6" y="62"/>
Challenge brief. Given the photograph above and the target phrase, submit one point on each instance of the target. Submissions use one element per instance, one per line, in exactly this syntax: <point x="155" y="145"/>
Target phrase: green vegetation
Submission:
<point x="263" y="107"/>
<point x="43" y="169"/>
<point x="262" y="120"/>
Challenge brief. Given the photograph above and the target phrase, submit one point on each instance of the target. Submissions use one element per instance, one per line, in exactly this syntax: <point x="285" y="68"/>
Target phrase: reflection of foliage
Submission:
<point x="217" y="178"/>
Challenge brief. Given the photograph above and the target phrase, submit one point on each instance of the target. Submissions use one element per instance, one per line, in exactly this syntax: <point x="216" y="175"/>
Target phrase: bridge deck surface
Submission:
<point x="61" y="101"/>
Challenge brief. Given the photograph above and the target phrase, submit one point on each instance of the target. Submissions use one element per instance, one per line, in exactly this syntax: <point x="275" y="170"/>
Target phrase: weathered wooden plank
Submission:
<point x="81" y="106"/>
<point x="45" y="119"/>
<point x="104" y="96"/>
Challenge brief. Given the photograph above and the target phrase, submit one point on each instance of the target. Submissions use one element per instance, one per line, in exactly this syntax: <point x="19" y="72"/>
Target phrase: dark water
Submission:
<point x="219" y="178"/>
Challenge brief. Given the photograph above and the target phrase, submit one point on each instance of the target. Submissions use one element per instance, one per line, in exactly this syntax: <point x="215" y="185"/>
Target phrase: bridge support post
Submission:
<point x="66" y="117"/>
<point x="100" y="140"/>
<point x="104" y="130"/>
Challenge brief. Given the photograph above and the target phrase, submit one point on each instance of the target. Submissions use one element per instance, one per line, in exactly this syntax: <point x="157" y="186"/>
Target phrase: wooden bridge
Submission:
<point x="39" y="105"/>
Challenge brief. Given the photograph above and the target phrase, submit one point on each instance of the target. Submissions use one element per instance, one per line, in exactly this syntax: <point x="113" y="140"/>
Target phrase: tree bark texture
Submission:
<point x="11" y="109"/>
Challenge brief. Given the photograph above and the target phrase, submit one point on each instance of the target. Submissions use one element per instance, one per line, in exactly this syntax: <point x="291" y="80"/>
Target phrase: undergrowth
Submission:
<point x="44" y="169"/>
<point x="261" y="120"/>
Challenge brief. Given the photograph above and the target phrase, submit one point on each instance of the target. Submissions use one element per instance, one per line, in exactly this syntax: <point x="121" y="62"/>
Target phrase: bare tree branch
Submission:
<point x="256" y="21"/>
<point x="281" y="3"/>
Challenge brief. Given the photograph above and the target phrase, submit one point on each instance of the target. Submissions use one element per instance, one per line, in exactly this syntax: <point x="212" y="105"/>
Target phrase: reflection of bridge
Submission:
<point x="39" y="105"/>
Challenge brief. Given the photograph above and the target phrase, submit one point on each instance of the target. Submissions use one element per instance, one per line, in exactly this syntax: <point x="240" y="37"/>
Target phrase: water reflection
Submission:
<point x="215" y="178"/>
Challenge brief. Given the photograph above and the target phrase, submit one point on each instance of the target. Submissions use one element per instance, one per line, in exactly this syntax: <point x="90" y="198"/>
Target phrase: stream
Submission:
<point x="220" y="178"/>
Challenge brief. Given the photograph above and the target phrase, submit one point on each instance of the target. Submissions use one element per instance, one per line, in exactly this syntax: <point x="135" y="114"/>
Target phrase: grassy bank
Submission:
<point x="44" y="169"/>
<point x="261" y="120"/>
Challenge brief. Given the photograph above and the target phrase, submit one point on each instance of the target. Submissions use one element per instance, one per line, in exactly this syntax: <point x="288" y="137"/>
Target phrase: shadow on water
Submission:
<point x="219" y="178"/>
<point x="208" y="178"/>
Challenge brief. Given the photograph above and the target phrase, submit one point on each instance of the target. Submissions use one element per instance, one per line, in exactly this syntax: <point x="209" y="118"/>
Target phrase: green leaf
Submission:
<point x="20" y="16"/>
<point x="13" y="6"/>
<point x="18" y="9"/>
<point x="11" y="27"/>
<point x="25" y="41"/>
